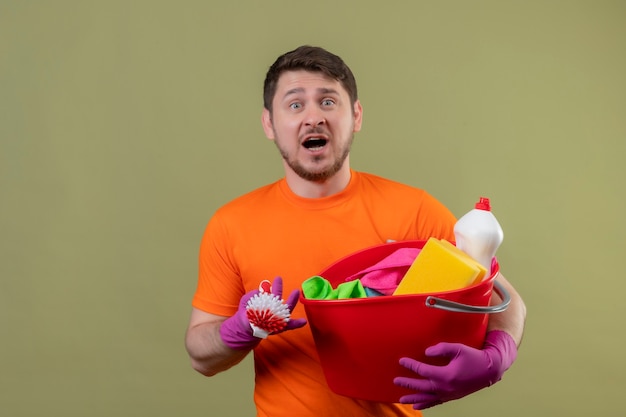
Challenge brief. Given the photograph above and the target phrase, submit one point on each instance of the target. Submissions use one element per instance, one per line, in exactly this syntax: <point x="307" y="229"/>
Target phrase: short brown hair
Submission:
<point x="313" y="59"/>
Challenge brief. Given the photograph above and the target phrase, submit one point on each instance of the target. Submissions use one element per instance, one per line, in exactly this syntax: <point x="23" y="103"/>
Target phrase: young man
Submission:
<point x="319" y="212"/>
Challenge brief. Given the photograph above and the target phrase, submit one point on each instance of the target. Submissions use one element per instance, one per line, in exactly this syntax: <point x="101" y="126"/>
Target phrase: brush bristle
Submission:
<point x="267" y="312"/>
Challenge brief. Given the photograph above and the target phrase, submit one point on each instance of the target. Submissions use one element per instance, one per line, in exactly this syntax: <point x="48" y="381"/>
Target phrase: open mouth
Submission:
<point x="315" y="143"/>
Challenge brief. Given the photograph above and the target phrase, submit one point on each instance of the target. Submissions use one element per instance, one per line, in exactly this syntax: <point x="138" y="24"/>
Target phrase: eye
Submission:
<point x="328" y="102"/>
<point x="295" y="106"/>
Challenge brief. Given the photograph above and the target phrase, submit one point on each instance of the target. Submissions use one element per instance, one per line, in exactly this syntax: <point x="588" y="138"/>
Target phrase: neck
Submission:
<point x="318" y="189"/>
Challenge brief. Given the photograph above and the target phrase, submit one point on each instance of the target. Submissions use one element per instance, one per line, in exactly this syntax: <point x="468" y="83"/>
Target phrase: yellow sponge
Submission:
<point x="440" y="266"/>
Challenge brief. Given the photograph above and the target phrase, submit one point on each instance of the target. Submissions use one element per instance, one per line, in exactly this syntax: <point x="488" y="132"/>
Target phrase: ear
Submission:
<point x="266" y="121"/>
<point x="358" y="116"/>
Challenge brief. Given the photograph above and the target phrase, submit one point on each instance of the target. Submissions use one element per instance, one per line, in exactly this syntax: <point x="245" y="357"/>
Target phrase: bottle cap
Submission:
<point x="483" y="204"/>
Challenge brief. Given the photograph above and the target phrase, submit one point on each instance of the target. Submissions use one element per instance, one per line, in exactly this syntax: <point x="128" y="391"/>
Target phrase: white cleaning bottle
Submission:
<point x="479" y="234"/>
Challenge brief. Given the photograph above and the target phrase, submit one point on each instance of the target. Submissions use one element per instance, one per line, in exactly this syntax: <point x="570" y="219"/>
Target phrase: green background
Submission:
<point x="125" y="124"/>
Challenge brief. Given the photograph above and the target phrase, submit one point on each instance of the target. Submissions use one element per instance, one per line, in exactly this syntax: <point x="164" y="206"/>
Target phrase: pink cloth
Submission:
<point x="385" y="275"/>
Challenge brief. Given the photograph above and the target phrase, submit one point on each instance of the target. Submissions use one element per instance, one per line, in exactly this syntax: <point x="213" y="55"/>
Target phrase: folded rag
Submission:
<point x="318" y="288"/>
<point x="385" y="275"/>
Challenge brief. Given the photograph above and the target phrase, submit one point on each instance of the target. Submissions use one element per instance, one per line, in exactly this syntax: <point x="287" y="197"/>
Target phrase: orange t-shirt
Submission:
<point x="272" y="232"/>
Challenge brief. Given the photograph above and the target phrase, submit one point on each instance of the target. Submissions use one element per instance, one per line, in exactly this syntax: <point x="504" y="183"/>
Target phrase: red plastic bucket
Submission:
<point x="360" y="341"/>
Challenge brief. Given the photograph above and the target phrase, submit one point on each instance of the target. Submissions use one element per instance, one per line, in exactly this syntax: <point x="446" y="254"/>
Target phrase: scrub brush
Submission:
<point x="266" y="312"/>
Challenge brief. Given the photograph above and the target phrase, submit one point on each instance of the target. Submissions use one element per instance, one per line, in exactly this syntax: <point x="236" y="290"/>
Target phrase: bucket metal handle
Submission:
<point x="447" y="305"/>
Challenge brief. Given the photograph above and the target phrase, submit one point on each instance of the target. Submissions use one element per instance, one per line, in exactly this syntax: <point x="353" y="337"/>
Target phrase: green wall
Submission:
<point x="125" y="124"/>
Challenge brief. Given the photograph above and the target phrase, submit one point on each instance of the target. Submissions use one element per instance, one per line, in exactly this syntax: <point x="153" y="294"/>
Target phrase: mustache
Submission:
<point x="316" y="130"/>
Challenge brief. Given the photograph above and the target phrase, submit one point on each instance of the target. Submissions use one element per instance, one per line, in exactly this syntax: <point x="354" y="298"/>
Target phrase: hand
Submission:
<point x="236" y="331"/>
<point x="469" y="370"/>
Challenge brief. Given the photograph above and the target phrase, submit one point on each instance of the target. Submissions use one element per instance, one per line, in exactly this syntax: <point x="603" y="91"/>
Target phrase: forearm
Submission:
<point x="208" y="353"/>
<point x="511" y="320"/>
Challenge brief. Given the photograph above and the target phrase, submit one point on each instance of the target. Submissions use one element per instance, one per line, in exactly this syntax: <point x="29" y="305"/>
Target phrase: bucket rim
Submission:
<point x="385" y="298"/>
<point x="416" y="243"/>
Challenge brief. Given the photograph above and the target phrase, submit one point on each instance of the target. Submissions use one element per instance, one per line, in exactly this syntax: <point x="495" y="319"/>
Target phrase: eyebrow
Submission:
<point x="322" y="90"/>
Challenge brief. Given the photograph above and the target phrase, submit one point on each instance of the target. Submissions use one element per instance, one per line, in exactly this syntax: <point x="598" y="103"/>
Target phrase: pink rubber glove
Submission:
<point x="469" y="370"/>
<point x="236" y="331"/>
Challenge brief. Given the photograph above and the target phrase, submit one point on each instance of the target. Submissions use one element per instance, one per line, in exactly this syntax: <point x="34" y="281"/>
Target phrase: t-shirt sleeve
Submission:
<point x="219" y="283"/>
<point x="435" y="219"/>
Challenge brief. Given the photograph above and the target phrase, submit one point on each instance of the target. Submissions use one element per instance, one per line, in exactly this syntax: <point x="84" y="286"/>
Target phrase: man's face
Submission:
<point x="312" y="123"/>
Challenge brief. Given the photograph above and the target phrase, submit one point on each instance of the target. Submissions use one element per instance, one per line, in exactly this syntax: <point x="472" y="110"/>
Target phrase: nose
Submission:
<point x="314" y="118"/>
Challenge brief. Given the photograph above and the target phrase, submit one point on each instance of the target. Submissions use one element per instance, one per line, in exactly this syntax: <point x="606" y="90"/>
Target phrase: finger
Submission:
<point x="411" y="364"/>
<point x="426" y="404"/>
<point x="444" y="349"/>
<point x="420" y="397"/>
<point x="418" y="367"/>
<point x="420" y="400"/>
<point x="422" y="369"/>
<point x="422" y="385"/>
<point x="247" y="296"/>
<point x="295" y="324"/>
<point x="293" y="299"/>
<point x="277" y="287"/>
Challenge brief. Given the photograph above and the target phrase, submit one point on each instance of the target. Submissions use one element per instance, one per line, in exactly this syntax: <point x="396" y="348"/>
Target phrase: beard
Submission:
<point x="317" y="175"/>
